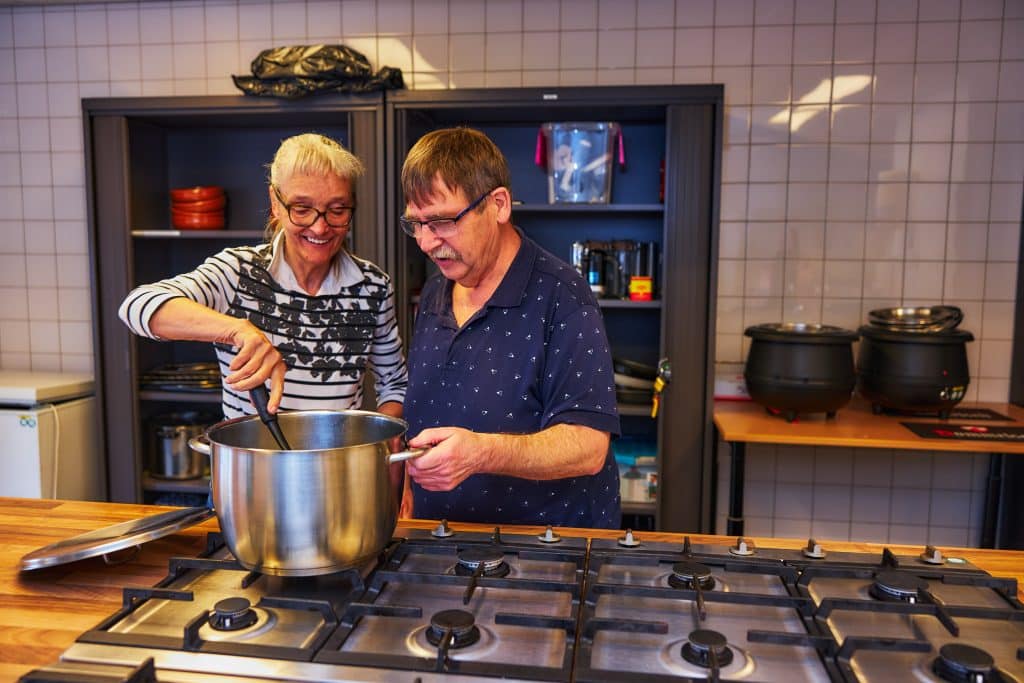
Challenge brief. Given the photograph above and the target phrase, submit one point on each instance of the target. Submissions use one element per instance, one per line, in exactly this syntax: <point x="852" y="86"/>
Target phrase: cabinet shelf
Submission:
<point x="635" y="409"/>
<point x="197" y="234"/>
<point x="212" y="398"/>
<point x="588" y="208"/>
<point x="630" y="507"/>
<point x="198" y="485"/>
<point x="627" y="303"/>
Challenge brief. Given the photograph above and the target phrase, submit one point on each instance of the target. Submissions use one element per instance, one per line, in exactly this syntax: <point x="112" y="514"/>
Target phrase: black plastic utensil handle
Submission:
<point x="260" y="397"/>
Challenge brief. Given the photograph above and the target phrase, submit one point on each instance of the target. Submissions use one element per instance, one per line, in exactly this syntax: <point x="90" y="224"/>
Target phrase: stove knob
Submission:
<point x="743" y="547"/>
<point x="629" y="540"/>
<point x="814" y="550"/>
<point x="442" y="530"/>
<point x="932" y="555"/>
<point x="549" y="536"/>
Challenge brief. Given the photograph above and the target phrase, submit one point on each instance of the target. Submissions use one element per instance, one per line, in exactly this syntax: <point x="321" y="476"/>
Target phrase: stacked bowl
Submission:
<point x="198" y="208"/>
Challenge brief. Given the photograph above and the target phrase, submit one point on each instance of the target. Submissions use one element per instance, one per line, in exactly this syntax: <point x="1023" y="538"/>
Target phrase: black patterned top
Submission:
<point x="327" y="341"/>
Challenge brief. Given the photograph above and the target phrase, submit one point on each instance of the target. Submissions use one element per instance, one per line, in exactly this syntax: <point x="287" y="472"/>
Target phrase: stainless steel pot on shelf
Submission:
<point x="326" y="505"/>
<point x="170" y="456"/>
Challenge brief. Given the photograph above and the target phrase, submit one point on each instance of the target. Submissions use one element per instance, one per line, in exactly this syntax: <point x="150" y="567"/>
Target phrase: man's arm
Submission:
<point x="557" y="452"/>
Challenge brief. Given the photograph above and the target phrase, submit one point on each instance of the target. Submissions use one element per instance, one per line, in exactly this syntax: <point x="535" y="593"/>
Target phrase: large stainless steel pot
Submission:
<point x="326" y="505"/>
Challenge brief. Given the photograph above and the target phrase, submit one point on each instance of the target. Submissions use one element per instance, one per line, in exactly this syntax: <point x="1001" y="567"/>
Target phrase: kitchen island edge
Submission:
<point x="42" y="612"/>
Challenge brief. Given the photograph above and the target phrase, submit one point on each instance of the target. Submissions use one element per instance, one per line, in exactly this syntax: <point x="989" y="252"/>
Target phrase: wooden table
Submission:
<point x="43" y="611"/>
<point x="857" y="426"/>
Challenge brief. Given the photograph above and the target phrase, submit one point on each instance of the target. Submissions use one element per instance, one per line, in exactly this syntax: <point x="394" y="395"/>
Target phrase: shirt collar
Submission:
<point x="512" y="287"/>
<point x="344" y="271"/>
<point x="510" y="291"/>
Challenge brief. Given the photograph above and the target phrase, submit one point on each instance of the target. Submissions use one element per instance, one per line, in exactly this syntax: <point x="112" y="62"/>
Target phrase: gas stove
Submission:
<point x="445" y="605"/>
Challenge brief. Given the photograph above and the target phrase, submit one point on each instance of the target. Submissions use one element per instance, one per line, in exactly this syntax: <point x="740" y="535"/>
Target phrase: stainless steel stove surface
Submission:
<point x="442" y="605"/>
<point x="927" y="621"/>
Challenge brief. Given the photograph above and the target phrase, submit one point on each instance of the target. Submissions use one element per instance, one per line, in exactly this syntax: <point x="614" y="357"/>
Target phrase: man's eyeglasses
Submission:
<point x="442" y="227"/>
<point x="305" y="216"/>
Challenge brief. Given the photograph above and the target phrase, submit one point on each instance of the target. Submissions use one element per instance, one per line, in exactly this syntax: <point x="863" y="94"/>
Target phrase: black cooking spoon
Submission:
<point x="260" y="397"/>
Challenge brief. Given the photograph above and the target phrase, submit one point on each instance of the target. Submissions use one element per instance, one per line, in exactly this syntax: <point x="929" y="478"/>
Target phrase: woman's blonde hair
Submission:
<point x="310" y="154"/>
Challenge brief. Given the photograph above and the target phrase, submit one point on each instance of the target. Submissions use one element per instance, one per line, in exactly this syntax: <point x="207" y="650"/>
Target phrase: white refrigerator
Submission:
<point x="49" y="436"/>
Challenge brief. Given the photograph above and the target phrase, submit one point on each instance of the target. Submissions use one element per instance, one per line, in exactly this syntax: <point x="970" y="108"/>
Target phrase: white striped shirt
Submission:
<point x="327" y="341"/>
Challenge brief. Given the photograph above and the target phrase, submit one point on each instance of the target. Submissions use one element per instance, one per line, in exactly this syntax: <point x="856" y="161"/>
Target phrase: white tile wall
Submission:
<point x="874" y="153"/>
<point x="859" y="494"/>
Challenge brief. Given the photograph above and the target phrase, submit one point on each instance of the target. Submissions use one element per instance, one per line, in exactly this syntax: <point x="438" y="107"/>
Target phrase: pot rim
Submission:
<point x="909" y="336"/>
<point x="800" y="333"/>
<point x="284" y="415"/>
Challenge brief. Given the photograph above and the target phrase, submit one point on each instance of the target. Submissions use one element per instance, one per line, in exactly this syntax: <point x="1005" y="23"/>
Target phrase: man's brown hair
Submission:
<point x="463" y="158"/>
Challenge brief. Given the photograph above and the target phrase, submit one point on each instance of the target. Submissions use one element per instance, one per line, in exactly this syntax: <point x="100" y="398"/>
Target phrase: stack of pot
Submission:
<point x="913" y="359"/>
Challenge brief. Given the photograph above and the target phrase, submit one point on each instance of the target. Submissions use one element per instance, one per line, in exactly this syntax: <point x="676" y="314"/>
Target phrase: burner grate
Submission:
<point x="452" y="647"/>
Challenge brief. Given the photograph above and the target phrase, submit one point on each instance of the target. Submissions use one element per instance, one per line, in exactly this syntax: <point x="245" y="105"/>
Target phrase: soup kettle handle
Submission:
<point x="200" y="443"/>
<point x="406" y="455"/>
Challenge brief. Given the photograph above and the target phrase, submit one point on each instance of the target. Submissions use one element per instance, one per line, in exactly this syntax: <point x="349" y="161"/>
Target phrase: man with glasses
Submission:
<point x="300" y="310"/>
<point x="510" y="372"/>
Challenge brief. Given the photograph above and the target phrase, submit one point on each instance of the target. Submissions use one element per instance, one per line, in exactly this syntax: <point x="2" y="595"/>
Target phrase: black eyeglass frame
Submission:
<point x="317" y="213"/>
<point x="412" y="227"/>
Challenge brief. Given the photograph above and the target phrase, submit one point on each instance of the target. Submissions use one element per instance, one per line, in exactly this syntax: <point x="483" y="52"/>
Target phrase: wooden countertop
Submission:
<point x="856" y="426"/>
<point x="43" y="611"/>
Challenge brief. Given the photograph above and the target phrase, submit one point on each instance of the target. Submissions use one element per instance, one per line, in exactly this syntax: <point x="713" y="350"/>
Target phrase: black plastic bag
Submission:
<point x="295" y="71"/>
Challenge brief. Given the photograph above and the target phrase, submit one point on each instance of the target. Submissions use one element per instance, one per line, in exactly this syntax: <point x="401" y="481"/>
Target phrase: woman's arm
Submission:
<point x="257" y="359"/>
<point x="190" y="307"/>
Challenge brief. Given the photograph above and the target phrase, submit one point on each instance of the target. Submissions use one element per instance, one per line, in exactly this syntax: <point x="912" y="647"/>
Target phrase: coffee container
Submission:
<point x="618" y="268"/>
<point x="642" y="285"/>
<point x="596" y="271"/>
<point x="578" y="258"/>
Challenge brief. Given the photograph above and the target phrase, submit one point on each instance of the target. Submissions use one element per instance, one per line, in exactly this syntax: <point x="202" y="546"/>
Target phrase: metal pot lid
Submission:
<point x="802" y="333"/>
<point x="924" y="318"/>
<point x="113" y="538"/>
<point x="916" y="336"/>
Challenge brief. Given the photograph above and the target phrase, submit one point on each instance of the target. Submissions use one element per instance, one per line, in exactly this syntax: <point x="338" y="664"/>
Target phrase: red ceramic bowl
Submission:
<point x="200" y="205"/>
<point x="198" y="193"/>
<point x="210" y="220"/>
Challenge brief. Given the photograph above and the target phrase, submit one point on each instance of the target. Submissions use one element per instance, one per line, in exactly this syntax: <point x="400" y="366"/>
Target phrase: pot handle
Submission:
<point x="200" y="443"/>
<point x="406" y="455"/>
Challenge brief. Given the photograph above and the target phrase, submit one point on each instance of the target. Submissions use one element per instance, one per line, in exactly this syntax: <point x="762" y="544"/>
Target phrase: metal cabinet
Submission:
<point x="136" y="150"/>
<point x="677" y="128"/>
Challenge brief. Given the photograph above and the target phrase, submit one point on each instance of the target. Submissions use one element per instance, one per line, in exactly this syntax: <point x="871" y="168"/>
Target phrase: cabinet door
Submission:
<point x="692" y="181"/>
<point x="667" y="130"/>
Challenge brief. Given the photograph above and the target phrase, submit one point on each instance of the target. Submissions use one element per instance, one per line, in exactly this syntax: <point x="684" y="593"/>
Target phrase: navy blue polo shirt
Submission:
<point x="534" y="356"/>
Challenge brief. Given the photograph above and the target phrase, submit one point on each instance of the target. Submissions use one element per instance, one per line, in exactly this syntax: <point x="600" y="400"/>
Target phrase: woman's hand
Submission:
<point x="257" y="361"/>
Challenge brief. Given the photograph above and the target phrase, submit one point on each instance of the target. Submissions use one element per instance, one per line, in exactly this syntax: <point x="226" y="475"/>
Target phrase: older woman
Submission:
<point x="300" y="310"/>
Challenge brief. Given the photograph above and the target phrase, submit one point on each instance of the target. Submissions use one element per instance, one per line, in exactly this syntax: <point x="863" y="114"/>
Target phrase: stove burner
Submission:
<point x="459" y="622"/>
<point x="897" y="587"/>
<point x="492" y="560"/>
<point x="232" y="614"/>
<point x="957" y="662"/>
<point x="702" y="643"/>
<point x="689" y="574"/>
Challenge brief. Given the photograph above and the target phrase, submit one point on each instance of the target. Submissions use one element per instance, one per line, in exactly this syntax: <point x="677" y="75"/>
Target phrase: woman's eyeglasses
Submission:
<point x="305" y="216"/>
<point x="442" y="227"/>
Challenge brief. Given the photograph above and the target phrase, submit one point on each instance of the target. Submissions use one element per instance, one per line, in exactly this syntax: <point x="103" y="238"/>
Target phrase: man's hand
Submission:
<point x="454" y="456"/>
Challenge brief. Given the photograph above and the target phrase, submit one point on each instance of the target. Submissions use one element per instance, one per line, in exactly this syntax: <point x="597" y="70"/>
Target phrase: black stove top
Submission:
<point x="471" y="606"/>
